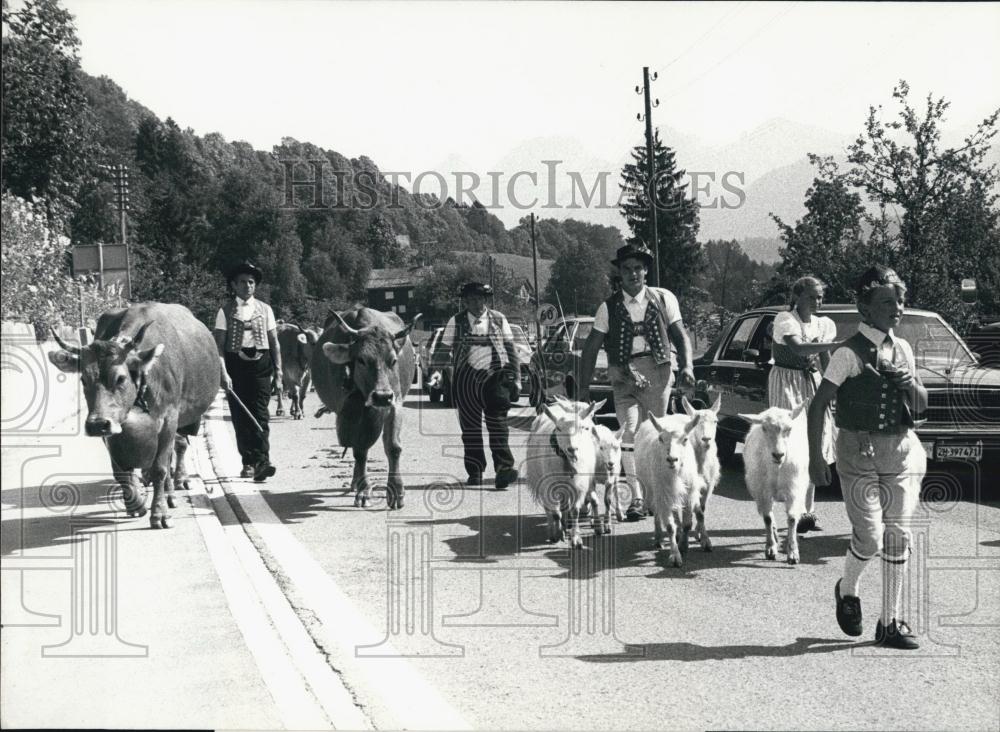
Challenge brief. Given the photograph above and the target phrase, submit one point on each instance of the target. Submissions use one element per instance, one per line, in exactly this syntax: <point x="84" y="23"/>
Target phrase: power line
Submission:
<point x="702" y="37"/>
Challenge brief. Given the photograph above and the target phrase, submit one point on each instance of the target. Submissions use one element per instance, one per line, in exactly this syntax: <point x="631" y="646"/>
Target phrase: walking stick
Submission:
<point x="244" y="407"/>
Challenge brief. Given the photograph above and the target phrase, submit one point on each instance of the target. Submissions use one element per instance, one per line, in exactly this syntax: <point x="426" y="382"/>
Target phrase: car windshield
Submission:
<point x="935" y="345"/>
<point x="520" y="338"/>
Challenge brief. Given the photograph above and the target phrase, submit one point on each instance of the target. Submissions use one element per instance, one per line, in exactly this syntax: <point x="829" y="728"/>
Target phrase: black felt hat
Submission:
<point x="634" y="251"/>
<point x="245" y="267"/>
<point x="476" y="288"/>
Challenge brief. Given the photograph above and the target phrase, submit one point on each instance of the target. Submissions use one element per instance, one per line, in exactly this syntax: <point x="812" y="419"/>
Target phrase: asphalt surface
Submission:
<point x="282" y="605"/>
<point x="516" y="633"/>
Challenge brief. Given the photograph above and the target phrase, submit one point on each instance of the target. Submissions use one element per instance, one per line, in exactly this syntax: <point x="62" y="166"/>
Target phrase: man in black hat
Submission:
<point x="485" y="382"/>
<point x="641" y="330"/>
<point x="246" y="334"/>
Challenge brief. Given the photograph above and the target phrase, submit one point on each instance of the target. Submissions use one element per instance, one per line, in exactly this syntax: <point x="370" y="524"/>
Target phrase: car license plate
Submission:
<point x="960" y="452"/>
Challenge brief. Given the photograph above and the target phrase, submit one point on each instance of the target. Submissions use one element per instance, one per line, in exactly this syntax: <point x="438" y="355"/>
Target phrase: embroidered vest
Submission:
<point x="621" y="330"/>
<point x="869" y="402"/>
<point x="235" y="327"/>
<point x="465" y="339"/>
<point x="788" y="359"/>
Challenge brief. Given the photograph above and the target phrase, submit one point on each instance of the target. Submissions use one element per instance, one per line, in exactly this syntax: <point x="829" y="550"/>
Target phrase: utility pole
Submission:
<point x="493" y="294"/>
<point x="534" y="265"/>
<point x="122" y="200"/>
<point x="651" y="171"/>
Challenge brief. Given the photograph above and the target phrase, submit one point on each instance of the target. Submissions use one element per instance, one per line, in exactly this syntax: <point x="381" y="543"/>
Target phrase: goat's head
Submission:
<point x="776" y="424"/>
<point x="609" y="447"/>
<point x="573" y="436"/>
<point x="673" y="436"/>
<point x="708" y="421"/>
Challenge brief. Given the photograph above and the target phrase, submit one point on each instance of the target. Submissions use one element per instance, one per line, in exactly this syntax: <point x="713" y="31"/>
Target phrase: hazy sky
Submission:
<point x="410" y="84"/>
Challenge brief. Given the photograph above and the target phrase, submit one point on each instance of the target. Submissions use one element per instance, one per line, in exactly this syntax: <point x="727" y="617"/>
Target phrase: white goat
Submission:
<point x="776" y="460"/>
<point x="708" y="460"/>
<point x="609" y="465"/>
<point x="667" y="467"/>
<point x="561" y="462"/>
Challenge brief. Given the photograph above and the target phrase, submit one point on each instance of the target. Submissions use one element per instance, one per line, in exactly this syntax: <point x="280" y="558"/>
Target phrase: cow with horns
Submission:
<point x="296" y="344"/>
<point x="148" y="377"/>
<point x="362" y="368"/>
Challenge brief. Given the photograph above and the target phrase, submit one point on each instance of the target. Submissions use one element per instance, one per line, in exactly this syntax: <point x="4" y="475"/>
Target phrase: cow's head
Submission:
<point x="306" y="340"/>
<point x="373" y="353"/>
<point x="112" y="372"/>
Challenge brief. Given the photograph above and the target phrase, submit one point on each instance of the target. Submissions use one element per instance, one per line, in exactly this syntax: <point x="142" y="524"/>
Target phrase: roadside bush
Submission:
<point x="35" y="262"/>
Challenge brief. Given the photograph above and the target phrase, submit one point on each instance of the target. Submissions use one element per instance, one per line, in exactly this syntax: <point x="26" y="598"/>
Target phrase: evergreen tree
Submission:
<point x="676" y="216"/>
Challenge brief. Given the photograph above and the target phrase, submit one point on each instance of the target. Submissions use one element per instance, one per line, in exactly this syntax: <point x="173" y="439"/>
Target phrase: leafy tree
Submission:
<point x="581" y="277"/>
<point x="676" y="215"/>
<point x="380" y="240"/>
<point x="728" y="276"/>
<point x="37" y="286"/>
<point x="826" y="241"/>
<point x="901" y="163"/>
<point x="47" y="141"/>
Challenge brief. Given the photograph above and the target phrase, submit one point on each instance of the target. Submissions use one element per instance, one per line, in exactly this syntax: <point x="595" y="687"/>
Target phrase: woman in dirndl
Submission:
<point x="802" y="345"/>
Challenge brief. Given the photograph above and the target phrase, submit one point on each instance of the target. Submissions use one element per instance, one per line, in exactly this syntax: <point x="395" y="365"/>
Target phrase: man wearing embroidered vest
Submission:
<point x="485" y="382"/>
<point x="637" y="327"/>
<point x="246" y="334"/>
<point x="880" y="459"/>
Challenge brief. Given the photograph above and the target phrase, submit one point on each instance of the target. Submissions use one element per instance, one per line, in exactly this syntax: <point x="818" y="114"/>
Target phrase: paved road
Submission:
<point x="515" y="633"/>
<point x="282" y="605"/>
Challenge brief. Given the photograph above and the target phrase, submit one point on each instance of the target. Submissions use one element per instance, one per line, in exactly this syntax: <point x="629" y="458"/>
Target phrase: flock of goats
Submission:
<point x="569" y="456"/>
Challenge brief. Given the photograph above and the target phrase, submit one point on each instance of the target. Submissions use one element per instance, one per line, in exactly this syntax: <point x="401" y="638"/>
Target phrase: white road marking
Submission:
<point x="288" y="660"/>
<point x="393" y="693"/>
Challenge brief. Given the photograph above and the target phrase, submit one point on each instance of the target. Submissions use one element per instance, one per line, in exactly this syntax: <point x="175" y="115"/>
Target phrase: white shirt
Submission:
<point x="636" y="307"/>
<point x="244" y="311"/>
<point x="819" y="329"/>
<point x="479" y="356"/>
<point x="845" y="364"/>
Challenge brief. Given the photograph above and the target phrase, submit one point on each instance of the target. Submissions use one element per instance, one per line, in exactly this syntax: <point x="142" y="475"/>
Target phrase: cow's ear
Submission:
<point x="339" y="353"/>
<point x="65" y="361"/>
<point x="301" y="338"/>
<point x="146" y="359"/>
<point x="406" y="331"/>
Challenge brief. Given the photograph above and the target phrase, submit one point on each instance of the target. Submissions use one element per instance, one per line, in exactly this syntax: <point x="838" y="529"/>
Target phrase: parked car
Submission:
<point x="962" y="421"/>
<point x="436" y="368"/>
<point x="561" y="352"/>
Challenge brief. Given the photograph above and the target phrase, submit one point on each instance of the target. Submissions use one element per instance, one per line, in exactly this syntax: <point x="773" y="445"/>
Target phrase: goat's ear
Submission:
<point x="798" y="410"/>
<point x="717" y="404"/>
<point x="339" y="353"/>
<point x="691" y="424"/>
<point x="620" y="434"/>
<point x="550" y="415"/>
<point x="688" y="409"/>
<point x="751" y="418"/>
<point x="656" y="423"/>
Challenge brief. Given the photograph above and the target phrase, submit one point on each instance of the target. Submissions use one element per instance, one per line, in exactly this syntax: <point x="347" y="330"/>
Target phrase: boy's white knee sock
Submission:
<point x="854" y="566"/>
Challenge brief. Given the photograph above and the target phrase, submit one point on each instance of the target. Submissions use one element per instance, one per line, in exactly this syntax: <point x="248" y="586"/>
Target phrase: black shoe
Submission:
<point x="475" y="479"/>
<point x="807" y="522"/>
<point x="505" y="477"/>
<point x="848" y="612"/>
<point x="897" y="635"/>
<point x="585" y="510"/>
<point x="636" y="510"/>
<point x="263" y="471"/>
<point x="247" y="471"/>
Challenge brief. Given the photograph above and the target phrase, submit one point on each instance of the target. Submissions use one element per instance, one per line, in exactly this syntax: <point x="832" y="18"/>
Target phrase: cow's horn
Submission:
<point x="137" y="338"/>
<point x="75" y="350"/>
<point x="406" y="331"/>
<point x="344" y="325"/>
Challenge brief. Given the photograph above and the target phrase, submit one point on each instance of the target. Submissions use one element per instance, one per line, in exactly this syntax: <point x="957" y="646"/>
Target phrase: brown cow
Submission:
<point x="148" y="377"/>
<point x="362" y="371"/>
<point x="296" y="346"/>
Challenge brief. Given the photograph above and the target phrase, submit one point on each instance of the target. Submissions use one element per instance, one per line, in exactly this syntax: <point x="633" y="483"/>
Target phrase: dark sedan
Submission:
<point x="962" y="421"/>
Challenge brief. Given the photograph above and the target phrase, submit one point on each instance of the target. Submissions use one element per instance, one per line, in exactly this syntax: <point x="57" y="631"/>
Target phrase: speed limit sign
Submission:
<point x="547" y="314"/>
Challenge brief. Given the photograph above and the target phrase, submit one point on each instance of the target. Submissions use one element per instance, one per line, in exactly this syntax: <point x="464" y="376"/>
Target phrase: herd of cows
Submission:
<point x="153" y="370"/>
